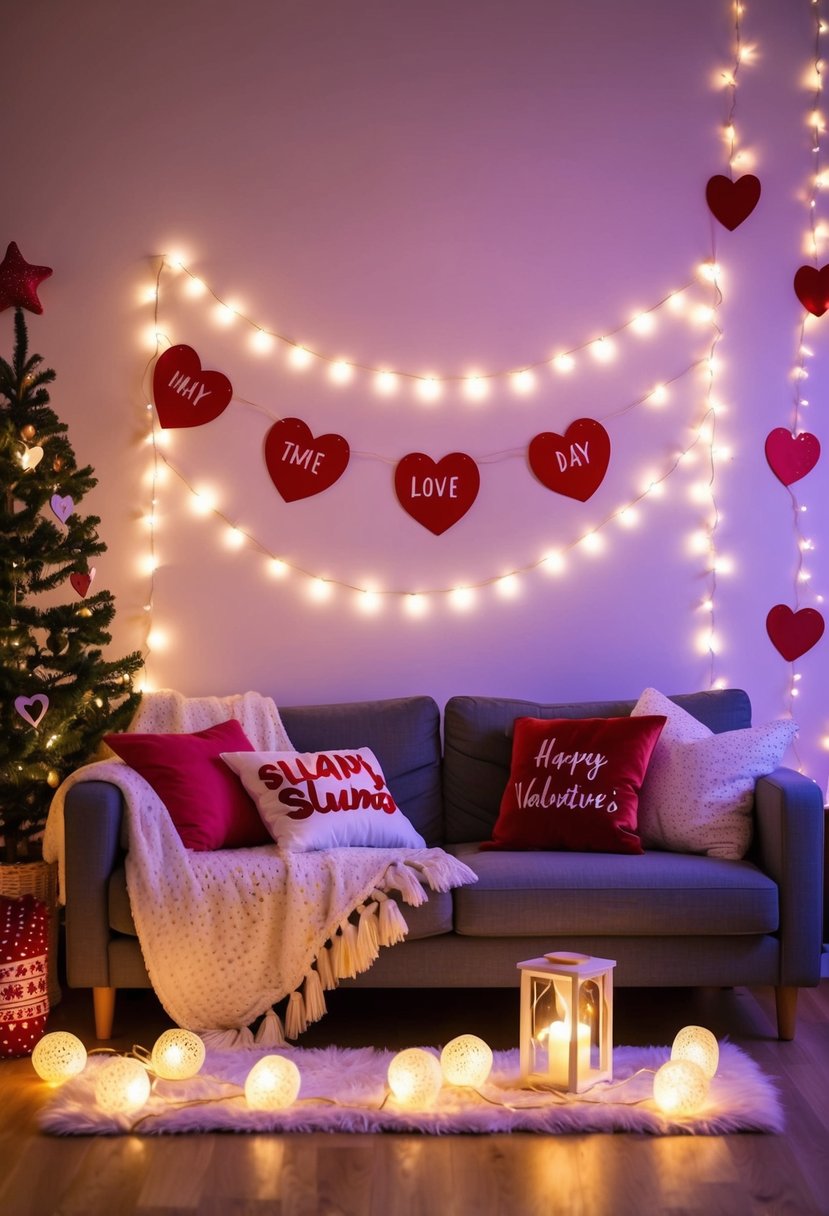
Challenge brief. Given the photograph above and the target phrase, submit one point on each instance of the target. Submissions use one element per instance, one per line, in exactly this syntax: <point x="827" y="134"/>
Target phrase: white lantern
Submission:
<point x="680" y="1087"/>
<point x="466" y="1060"/>
<point x="58" y="1056"/>
<point x="697" y="1044"/>
<point x="123" y="1086"/>
<point x="177" y="1055"/>
<point x="415" y="1077"/>
<point x="272" y="1084"/>
<point x="567" y="1021"/>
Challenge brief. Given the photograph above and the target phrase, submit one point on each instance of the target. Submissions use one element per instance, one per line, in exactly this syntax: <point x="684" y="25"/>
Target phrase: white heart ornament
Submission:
<point x="31" y="457"/>
<point x="24" y="704"/>
<point x="62" y="506"/>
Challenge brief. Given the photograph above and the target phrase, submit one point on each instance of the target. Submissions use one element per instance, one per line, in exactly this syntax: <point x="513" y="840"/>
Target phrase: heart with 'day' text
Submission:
<point x="791" y="456"/>
<point x="301" y="464"/>
<point x="573" y="463"/>
<point x="732" y="202"/>
<point x="184" y="394"/>
<point x="793" y="633"/>
<point x="436" y="493"/>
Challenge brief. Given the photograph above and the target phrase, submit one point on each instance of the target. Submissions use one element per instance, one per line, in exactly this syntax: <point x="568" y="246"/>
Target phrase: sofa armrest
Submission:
<point x="92" y="818"/>
<point x="789" y="818"/>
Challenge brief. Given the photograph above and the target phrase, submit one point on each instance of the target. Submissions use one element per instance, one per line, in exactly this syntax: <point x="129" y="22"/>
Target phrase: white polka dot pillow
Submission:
<point x="324" y="800"/>
<point x="698" y="792"/>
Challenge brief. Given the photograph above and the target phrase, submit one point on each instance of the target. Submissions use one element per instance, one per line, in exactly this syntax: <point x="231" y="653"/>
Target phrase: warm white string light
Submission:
<point x="430" y="386"/>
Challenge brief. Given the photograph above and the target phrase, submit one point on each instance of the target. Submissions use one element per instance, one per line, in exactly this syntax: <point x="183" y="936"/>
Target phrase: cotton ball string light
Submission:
<point x="466" y="1060"/>
<point x="699" y="1045"/>
<point x="272" y="1084"/>
<point x="415" y="1077"/>
<point x="58" y="1056"/>
<point x="123" y="1086"/>
<point x="177" y="1055"/>
<point x="680" y="1087"/>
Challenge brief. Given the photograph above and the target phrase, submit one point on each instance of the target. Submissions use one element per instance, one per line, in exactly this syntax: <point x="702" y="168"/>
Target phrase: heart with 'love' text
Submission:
<point x="185" y="394"/>
<point x="437" y="493"/>
<point x="793" y="633"/>
<point x="301" y="464"/>
<point x="573" y="463"/>
<point x="732" y="202"/>
<point x="791" y="456"/>
<point x="812" y="288"/>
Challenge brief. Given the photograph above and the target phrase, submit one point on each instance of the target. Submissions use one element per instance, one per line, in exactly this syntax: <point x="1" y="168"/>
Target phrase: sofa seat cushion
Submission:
<point x="550" y="894"/>
<point x="429" y="920"/>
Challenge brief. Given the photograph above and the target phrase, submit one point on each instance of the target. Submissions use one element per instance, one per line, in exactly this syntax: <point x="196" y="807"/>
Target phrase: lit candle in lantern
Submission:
<point x="558" y="1051"/>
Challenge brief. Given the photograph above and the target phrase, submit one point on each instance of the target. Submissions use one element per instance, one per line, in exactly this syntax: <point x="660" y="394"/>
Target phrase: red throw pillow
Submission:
<point x="24" y="994"/>
<point x="574" y="784"/>
<point x="207" y="802"/>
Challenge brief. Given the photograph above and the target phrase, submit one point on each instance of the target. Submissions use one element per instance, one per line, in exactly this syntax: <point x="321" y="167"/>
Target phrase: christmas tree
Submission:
<point x="58" y="694"/>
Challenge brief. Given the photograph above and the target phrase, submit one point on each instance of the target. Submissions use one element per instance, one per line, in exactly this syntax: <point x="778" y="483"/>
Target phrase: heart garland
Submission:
<point x="732" y="202"/>
<point x="185" y="395"/>
<point x="23" y="705"/>
<point x="436" y="493"/>
<point x="791" y="457"/>
<point x="573" y="463"/>
<point x="793" y="633"/>
<point x="82" y="582"/>
<point x="301" y="465"/>
<point x="812" y="288"/>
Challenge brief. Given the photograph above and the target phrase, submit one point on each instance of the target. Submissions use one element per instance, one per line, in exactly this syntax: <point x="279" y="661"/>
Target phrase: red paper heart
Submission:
<point x="732" y="202"/>
<point x="184" y="394"/>
<point x="791" y="457"/>
<point x="82" y="582"/>
<point x="573" y="463"/>
<point x="436" y="493"/>
<point x="301" y="465"/>
<point x="793" y="633"/>
<point x="812" y="288"/>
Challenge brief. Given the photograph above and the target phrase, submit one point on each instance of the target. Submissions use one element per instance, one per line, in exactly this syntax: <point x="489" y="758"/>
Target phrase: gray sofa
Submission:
<point x="668" y="919"/>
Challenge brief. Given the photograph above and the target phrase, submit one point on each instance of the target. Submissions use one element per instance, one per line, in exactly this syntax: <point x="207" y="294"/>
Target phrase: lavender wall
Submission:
<point x="436" y="187"/>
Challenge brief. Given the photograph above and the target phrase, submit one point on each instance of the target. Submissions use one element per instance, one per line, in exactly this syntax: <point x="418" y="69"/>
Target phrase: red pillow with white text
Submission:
<point x="206" y="801"/>
<point x="574" y="784"/>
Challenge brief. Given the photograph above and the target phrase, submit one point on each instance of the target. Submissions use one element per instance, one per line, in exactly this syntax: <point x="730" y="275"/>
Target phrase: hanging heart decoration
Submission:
<point x="82" y="582"/>
<point x="184" y="394"/>
<point x="24" y="706"/>
<point x="436" y="493"/>
<point x="573" y="463"/>
<point x="300" y="464"/>
<point x="793" y="633"/>
<point x="812" y="288"/>
<point x="732" y="202"/>
<point x="31" y="457"/>
<point x="62" y="506"/>
<point x="791" y="457"/>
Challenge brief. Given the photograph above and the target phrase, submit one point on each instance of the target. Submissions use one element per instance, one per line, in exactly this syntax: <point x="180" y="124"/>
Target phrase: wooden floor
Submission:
<point x="398" y="1175"/>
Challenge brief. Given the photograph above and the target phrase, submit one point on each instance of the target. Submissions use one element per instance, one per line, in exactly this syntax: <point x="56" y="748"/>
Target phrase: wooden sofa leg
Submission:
<point x="785" y="996"/>
<point x="103" y="1000"/>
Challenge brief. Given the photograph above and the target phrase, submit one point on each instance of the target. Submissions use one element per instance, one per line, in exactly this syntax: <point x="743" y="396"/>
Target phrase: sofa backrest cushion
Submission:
<point x="478" y="746"/>
<point x="403" y="733"/>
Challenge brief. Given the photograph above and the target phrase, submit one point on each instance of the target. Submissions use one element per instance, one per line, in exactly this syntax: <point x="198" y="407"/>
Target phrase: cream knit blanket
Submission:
<point x="226" y="935"/>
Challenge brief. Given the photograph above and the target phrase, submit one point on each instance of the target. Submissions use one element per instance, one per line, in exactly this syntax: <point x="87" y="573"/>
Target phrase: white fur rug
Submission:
<point x="343" y="1090"/>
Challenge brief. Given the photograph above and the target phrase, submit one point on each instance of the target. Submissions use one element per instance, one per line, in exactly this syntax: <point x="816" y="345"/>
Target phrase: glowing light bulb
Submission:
<point x="341" y="371"/>
<point x="58" y="1056"/>
<point x="591" y="542"/>
<point x="196" y="287"/>
<point x="203" y="501"/>
<point x="643" y="323"/>
<point x="563" y="363"/>
<point x="475" y="387"/>
<point x="262" y="341"/>
<point x="462" y="598"/>
<point x="415" y="604"/>
<point x="176" y="260"/>
<point x="508" y="586"/>
<point x="234" y="537"/>
<point x="680" y="1087"/>
<point x="299" y="357"/>
<point x="523" y="381"/>
<point x="658" y="395"/>
<point x="225" y="315"/>
<point x="177" y="1054"/>
<point x="272" y="1084"/>
<point x="386" y="383"/>
<point x="429" y="388"/>
<point x="157" y="639"/>
<point x="277" y="567"/>
<point x="466" y="1060"/>
<point x="122" y="1086"/>
<point x="369" y="601"/>
<point x="603" y="350"/>
<point x="319" y="589"/>
<point x="553" y="562"/>
<point x="415" y="1078"/>
<point x="628" y="517"/>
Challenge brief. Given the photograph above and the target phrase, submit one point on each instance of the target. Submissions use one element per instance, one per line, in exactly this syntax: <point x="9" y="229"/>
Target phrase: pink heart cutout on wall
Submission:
<point x="791" y="457"/>
<point x="436" y="493"/>
<point x="184" y="394"/>
<point x="793" y="633"/>
<point x="24" y="704"/>
<point x="812" y="288"/>
<point x="299" y="463"/>
<point x="732" y="202"/>
<point x="82" y="582"/>
<point x="573" y="463"/>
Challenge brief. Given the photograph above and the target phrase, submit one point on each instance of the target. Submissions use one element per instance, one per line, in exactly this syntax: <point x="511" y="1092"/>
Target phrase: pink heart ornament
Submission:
<point x="62" y="507"/>
<point x="24" y="704"/>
